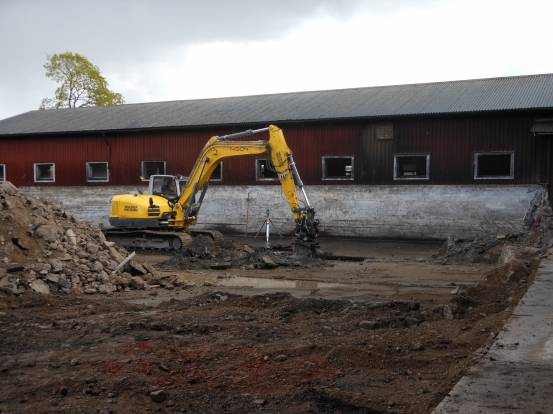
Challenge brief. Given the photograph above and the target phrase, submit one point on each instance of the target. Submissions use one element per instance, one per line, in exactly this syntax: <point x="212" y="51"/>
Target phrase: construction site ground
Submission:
<point x="391" y="331"/>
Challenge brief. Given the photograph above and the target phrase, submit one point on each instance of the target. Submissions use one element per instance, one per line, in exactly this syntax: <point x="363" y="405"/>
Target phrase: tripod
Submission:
<point x="267" y="223"/>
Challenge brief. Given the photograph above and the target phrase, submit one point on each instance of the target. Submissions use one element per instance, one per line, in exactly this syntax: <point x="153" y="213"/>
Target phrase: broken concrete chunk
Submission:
<point x="106" y="288"/>
<point x="115" y="255"/>
<point x="71" y="236"/>
<point x="40" y="286"/>
<point x="49" y="232"/>
<point x="137" y="267"/>
<point x="42" y="267"/>
<point x="268" y="262"/>
<point x="248" y="249"/>
<point x="9" y="188"/>
<point x="91" y="248"/>
<point x="51" y="277"/>
<point x="65" y="257"/>
<point x="57" y="265"/>
<point x="137" y="283"/>
<point x="150" y="269"/>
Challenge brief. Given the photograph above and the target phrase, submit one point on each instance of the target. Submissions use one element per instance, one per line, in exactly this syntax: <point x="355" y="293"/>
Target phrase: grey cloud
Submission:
<point x="117" y="34"/>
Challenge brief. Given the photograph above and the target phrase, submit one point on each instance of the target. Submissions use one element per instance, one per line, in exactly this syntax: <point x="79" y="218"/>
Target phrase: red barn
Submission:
<point x="413" y="161"/>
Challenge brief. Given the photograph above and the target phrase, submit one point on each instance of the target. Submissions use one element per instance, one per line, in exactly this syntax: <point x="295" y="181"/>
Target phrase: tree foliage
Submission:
<point x="82" y="83"/>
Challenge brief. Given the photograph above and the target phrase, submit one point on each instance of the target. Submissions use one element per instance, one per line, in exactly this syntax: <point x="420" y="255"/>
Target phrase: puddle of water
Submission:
<point x="257" y="282"/>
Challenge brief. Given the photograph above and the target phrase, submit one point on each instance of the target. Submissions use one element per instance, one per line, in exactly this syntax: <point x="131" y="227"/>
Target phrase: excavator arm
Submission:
<point x="152" y="215"/>
<point x="279" y="159"/>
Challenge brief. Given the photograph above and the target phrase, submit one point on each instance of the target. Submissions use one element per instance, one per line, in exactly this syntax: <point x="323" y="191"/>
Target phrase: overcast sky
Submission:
<point x="185" y="49"/>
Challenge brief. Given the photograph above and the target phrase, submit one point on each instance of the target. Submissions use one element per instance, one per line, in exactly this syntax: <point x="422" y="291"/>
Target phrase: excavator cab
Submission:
<point x="166" y="186"/>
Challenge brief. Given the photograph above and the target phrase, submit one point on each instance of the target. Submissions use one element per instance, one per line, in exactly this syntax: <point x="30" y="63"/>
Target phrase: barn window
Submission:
<point x="494" y="165"/>
<point x="217" y="174"/>
<point x="45" y="172"/>
<point x="2" y="172"/>
<point x="262" y="172"/>
<point x="338" y="168"/>
<point x="97" y="172"/>
<point x="152" y="168"/>
<point x="411" y="167"/>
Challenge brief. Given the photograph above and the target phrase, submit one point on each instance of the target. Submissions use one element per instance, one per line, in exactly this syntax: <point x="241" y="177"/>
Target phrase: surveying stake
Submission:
<point x="267" y="223"/>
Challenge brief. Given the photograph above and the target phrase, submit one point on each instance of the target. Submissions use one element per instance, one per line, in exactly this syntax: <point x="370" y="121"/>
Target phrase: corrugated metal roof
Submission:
<point x="542" y="126"/>
<point x="479" y="95"/>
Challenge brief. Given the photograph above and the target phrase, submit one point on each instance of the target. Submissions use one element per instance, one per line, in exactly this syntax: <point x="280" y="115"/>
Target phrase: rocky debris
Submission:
<point x="204" y="253"/>
<point x="484" y="250"/>
<point x="502" y="249"/>
<point x="45" y="249"/>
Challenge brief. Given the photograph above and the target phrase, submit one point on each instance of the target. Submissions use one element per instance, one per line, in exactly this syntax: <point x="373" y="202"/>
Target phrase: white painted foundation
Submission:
<point x="400" y="212"/>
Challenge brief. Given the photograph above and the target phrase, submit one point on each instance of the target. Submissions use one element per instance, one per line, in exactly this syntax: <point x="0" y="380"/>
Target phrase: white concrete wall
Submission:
<point x="416" y="212"/>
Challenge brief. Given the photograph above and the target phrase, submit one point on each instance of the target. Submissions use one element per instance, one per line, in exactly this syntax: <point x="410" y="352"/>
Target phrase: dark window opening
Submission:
<point x="499" y="165"/>
<point x="2" y="172"/>
<point x="97" y="171"/>
<point x="217" y="174"/>
<point x="411" y="167"/>
<point x="262" y="172"/>
<point x="337" y="168"/>
<point x="45" y="172"/>
<point x="152" y="168"/>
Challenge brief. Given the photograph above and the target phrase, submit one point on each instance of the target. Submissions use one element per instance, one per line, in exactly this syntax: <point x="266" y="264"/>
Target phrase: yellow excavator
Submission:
<point x="161" y="218"/>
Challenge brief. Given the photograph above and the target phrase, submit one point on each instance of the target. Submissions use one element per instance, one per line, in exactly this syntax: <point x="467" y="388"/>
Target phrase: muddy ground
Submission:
<point x="391" y="333"/>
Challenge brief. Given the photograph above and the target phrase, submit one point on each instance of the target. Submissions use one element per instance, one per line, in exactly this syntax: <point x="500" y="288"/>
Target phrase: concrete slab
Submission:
<point x="517" y="374"/>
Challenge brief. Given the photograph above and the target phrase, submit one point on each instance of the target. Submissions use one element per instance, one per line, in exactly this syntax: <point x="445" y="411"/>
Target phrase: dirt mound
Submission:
<point x="44" y="248"/>
<point x="204" y="253"/>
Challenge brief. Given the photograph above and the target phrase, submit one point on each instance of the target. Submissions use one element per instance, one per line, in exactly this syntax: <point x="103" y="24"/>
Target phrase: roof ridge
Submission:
<point x="323" y="90"/>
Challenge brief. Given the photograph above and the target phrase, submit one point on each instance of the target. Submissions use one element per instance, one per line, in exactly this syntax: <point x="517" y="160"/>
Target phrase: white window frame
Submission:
<point x="218" y="179"/>
<point x="42" y="180"/>
<point x="164" y="172"/>
<point x="3" y="171"/>
<point x="495" y="177"/>
<point x="414" y="177"/>
<point x="89" y="179"/>
<point x="345" y="178"/>
<point x="257" y="171"/>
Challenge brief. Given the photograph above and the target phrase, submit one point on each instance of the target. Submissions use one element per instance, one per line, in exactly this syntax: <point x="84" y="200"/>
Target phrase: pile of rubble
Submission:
<point x="44" y="248"/>
<point x="203" y="253"/>
<point x="491" y="249"/>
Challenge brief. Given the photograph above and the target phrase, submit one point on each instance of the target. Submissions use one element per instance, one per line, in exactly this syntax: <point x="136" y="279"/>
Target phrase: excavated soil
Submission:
<point x="391" y="333"/>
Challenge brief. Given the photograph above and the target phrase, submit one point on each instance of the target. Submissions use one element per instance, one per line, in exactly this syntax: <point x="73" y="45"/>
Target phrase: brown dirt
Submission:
<point x="390" y="338"/>
<point x="216" y="352"/>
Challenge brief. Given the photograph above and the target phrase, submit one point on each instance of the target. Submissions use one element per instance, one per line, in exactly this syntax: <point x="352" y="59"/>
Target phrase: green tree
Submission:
<point x="82" y="84"/>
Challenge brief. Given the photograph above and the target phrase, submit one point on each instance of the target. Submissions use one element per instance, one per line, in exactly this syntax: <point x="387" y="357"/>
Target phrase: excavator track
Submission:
<point x="158" y="240"/>
<point x="154" y="240"/>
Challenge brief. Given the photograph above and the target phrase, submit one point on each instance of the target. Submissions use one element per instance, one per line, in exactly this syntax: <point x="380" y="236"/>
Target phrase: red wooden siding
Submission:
<point x="450" y="141"/>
